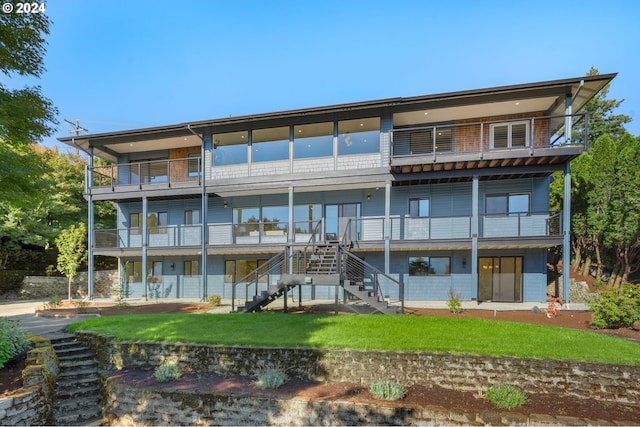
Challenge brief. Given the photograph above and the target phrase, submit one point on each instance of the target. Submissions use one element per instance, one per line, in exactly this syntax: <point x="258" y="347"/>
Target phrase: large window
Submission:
<point x="191" y="268"/>
<point x="230" y="148"/>
<point x="270" y="144"/>
<point x="513" y="204"/>
<point x="359" y="136"/>
<point x="246" y="221"/>
<point x="306" y="217"/>
<point x="133" y="271"/>
<point x="236" y="269"/>
<point x="193" y="164"/>
<point x="424" y="141"/>
<point x="313" y="140"/>
<point x="154" y="221"/>
<point x="192" y="217"/>
<point x="509" y="135"/>
<point x="418" y="207"/>
<point x="429" y="266"/>
<point x="275" y="220"/>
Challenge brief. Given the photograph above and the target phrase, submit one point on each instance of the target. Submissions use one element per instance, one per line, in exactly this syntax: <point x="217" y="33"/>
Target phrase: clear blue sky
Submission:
<point x="121" y="64"/>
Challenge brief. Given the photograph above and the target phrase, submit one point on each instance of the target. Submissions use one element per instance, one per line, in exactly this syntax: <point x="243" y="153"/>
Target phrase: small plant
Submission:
<point x="616" y="308"/>
<point x="167" y="372"/>
<point x="214" y="300"/>
<point x="387" y="390"/>
<point x="13" y="341"/>
<point x="55" y="301"/>
<point x="82" y="306"/>
<point x="506" y="396"/>
<point x="121" y="303"/>
<point x="270" y="378"/>
<point x="454" y="302"/>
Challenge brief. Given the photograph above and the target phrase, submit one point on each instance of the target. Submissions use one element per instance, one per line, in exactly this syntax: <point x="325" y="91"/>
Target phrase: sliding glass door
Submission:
<point x="500" y="279"/>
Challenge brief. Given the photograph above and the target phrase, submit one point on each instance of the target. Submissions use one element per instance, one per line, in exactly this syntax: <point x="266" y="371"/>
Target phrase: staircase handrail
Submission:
<point x="277" y="260"/>
<point x="310" y="247"/>
<point x="376" y="274"/>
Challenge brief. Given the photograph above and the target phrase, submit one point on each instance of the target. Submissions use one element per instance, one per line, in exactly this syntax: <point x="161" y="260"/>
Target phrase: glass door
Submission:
<point x="340" y="219"/>
<point x="500" y="279"/>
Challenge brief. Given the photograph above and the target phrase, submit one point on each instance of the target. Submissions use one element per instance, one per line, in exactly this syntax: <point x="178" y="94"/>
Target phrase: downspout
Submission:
<point x="204" y="210"/>
<point x="90" y="223"/>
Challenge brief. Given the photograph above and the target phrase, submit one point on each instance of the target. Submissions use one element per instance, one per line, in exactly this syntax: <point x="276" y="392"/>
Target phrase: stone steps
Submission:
<point x="78" y="399"/>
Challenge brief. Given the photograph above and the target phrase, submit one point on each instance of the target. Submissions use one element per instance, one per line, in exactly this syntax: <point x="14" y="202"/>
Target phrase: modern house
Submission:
<point x="391" y="200"/>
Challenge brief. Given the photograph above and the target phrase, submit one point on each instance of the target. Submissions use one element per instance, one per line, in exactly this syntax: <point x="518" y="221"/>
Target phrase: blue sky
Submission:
<point x="121" y="64"/>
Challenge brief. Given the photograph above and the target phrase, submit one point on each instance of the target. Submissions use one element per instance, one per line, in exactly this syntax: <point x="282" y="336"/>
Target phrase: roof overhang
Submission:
<point x="549" y="96"/>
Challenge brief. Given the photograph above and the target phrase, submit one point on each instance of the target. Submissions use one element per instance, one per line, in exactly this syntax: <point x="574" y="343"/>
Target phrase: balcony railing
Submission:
<point x="534" y="224"/>
<point x="150" y="172"/>
<point x="488" y="136"/>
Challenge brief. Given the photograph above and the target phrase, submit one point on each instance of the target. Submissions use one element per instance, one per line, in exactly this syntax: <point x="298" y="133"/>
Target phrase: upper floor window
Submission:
<point x="429" y="266"/>
<point x="438" y="139"/>
<point x="192" y="217"/>
<point x="193" y="164"/>
<point x="306" y="217"/>
<point x="509" y="135"/>
<point x="418" y="207"/>
<point x="359" y="136"/>
<point x="230" y="148"/>
<point x="508" y="204"/>
<point x="270" y="144"/>
<point x="313" y="140"/>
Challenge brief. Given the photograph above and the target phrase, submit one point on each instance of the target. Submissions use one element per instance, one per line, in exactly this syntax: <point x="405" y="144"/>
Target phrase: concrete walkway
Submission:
<point x="23" y="313"/>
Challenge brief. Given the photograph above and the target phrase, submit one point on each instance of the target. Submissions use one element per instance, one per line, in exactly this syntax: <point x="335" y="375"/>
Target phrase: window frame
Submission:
<point x="509" y="125"/>
<point x="508" y="197"/>
<point x="428" y="259"/>
<point x="191" y="265"/>
<point x="420" y="214"/>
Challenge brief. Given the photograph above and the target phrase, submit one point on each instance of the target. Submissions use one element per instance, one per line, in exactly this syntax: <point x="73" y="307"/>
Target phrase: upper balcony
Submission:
<point x="467" y="144"/>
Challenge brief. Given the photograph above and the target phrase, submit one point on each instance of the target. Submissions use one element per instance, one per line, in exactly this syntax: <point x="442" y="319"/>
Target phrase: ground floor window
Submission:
<point x="191" y="268"/>
<point x="500" y="279"/>
<point x="429" y="266"/>
<point x="236" y="269"/>
<point x="133" y="271"/>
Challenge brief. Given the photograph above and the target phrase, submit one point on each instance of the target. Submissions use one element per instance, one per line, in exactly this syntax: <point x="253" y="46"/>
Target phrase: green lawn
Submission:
<point x="373" y="332"/>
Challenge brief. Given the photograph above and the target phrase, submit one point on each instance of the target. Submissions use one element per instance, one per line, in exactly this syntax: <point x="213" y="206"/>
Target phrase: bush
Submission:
<point x="214" y="300"/>
<point x="55" y="301"/>
<point x="506" y="396"/>
<point x="616" y="308"/>
<point x="270" y="378"/>
<point x="387" y="390"/>
<point x="82" y="307"/>
<point x="454" y="302"/>
<point x="13" y="341"/>
<point x="167" y="372"/>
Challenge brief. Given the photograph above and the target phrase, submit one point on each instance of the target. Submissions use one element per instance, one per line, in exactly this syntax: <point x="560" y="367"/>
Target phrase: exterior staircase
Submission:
<point x="377" y="302"/>
<point x="324" y="260"/>
<point x="78" y="399"/>
<point x="267" y="297"/>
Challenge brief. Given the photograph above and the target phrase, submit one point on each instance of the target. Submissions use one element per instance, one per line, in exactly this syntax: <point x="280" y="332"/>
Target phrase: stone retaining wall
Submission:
<point x="32" y="404"/>
<point x="469" y="373"/>
<point x="106" y="284"/>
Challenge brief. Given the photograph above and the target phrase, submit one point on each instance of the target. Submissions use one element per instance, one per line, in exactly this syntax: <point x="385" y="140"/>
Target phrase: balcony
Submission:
<point x="531" y="141"/>
<point x="543" y="227"/>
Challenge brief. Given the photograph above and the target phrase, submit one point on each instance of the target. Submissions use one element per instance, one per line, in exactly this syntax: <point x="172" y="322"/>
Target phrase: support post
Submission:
<point x="145" y="243"/>
<point x="387" y="226"/>
<point x="475" y="230"/>
<point x="90" y="226"/>
<point x="566" y="208"/>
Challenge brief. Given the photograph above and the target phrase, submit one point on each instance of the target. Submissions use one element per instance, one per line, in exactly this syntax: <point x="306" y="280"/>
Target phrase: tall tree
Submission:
<point x="72" y="251"/>
<point x="26" y="115"/>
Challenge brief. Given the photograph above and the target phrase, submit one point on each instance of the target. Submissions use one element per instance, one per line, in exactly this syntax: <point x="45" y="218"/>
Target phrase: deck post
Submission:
<point x="566" y="208"/>
<point x="90" y="225"/>
<point x="145" y="245"/>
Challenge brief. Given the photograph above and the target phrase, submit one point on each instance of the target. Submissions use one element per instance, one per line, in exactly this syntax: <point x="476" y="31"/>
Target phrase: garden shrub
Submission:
<point x="506" y="396"/>
<point x="387" y="390"/>
<point x="616" y="308"/>
<point x="13" y="341"/>
<point x="271" y="378"/>
<point x="167" y="372"/>
<point x="55" y="301"/>
<point x="454" y="302"/>
<point x="214" y="300"/>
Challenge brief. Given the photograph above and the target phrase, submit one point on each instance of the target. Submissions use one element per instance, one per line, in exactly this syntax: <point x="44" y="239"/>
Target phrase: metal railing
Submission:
<point x="275" y="265"/>
<point x="482" y="136"/>
<point x="169" y="171"/>
<point x="521" y="224"/>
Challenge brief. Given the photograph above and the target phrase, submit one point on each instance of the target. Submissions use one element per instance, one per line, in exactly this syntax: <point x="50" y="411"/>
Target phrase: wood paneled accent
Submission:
<point x="180" y="168"/>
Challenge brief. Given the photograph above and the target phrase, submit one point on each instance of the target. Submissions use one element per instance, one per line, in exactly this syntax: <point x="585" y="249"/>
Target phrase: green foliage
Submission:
<point x="454" y="302"/>
<point x="82" y="306"/>
<point x="270" y="378"/>
<point x="121" y="302"/>
<point x="617" y="308"/>
<point x="55" y="301"/>
<point x="401" y="333"/>
<point x="12" y="341"/>
<point x="167" y="372"/>
<point x="387" y="390"/>
<point x="214" y="300"/>
<point x="71" y="248"/>
<point x="506" y="396"/>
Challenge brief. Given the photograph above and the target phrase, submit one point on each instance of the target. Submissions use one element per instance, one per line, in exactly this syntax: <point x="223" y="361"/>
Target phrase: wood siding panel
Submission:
<point x="180" y="168"/>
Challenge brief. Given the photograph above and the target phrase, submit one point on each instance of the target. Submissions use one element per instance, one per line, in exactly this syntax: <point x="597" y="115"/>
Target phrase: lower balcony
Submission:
<point x="543" y="227"/>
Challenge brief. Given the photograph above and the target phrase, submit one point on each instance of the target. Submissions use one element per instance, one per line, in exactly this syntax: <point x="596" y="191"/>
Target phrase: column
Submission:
<point x="145" y="244"/>
<point x="566" y="209"/>
<point x="90" y="225"/>
<point x="387" y="226"/>
<point x="475" y="230"/>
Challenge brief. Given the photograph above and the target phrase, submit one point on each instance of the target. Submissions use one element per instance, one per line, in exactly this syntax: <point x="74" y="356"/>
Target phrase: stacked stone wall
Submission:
<point x="106" y="284"/>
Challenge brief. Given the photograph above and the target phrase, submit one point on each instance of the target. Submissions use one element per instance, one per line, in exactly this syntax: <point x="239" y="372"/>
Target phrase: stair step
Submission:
<point x="78" y="355"/>
<point x="77" y="363"/>
<point x="66" y="386"/>
<point x="75" y="373"/>
<point x="63" y="406"/>
<point x="77" y="417"/>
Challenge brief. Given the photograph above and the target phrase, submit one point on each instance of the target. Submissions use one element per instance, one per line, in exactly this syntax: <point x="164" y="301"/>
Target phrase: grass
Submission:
<point x="372" y="332"/>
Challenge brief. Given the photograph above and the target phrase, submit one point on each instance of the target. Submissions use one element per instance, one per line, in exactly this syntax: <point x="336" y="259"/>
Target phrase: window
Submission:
<point x="313" y="140"/>
<point x="230" y="148"/>
<point x="135" y="223"/>
<point x="418" y="207"/>
<point x="306" y="217"/>
<point x="270" y="144"/>
<point x="508" y="204"/>
<point x="275" y="220"/>
<point x="192" y="217"/>
<point x="422" y="142"/>
<point x="509" y="135"/>
<point x="246" y="221"/>
<point x="154" y="220"/>
<point x="359" y="136"/>
<point x="237" y="269"/>
<point x="429" y="266"/>
<point x="193" y="164"/>
<point x="133" y="271"/>
<point x="191" y="268"/>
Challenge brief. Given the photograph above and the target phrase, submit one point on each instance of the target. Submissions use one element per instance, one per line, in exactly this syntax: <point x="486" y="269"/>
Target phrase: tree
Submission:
<point x="26" y="115"/>
<point x="72" y="251"/>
